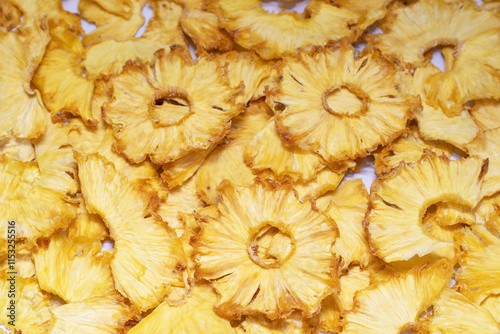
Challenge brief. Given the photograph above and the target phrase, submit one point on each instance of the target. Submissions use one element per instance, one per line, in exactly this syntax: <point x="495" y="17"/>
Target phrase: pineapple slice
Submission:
<point x="486" y="114"/>
<point x="110" y="25"/>
<point x="279" y="35"/>
<point x="87" y="225"/>
<point x="409" y="147"/>
<point x="324" y="181"/>
<point x="38" y="211"/>
<point x="73" y="269"/>
<point x="179" y="112"/>
<point x="347" y="207"/>
<point x="23" y="112"/>
<point x="369" y="11"/>
<point x="340" y="106"/>
<point x="164" y="27"/>
<point x="412" y="30"/>
<point x="479" y="273"/>
<point x="492" y="304"/>
<point x="148" y="259"/>
<point x="195" y="316"/>
<point x="487" y="146"/>
<point x="17" y="149"/>
<point x="265" y="252"/>
<point x="60" y="77"/>
<point x="32" y="307"/>
<point x="454" y="314"/>
<point x="399" y="200"/>
<point x="100" y="315"/>
<point x="394" y="304"/>
<point x="32" y="10"/>
<point x="10" y="15"/>
<point x="258" y="324"/>
<point x="24" y="265"/>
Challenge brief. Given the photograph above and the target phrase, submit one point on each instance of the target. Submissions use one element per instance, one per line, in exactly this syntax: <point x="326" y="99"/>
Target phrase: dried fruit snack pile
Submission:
<point x="225" y="181"/>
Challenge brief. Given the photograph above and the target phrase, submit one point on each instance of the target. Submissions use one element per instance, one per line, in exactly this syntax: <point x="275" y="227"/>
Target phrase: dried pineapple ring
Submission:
<point x="272" y="281"/>
<point x="23" y="112"/>
<point x="399" y="200"/>
<point x="340" y="106"/>
<point x="86" y="224"/>
<point x="413" y="30"/>
<point x="32" y="307"/>
<point x="144" y="276"/>
<point x="110" y="314"/>
<point x="192" y="317"/>
<point x="279" y="35"/>
<point x="164" y="27"/>
<point x="394" y="304"/>
<point x="138" y="93"/>
<point x="59" y="260"/>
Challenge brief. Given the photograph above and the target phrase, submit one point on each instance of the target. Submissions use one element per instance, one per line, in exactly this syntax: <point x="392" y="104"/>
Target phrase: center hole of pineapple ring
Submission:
<point x="345" y="100"/>
<point x="270" y="247"/>
<point x="170" y="106"/>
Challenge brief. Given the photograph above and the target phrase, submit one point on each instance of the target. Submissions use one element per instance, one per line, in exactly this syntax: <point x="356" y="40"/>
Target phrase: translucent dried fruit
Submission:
<point x="258" y="324"/>
<point x="409" y="147"/>
<point x="38" y="211"/>
<point x="347" y="207"/>
<point x="194" y="316"/>
<point x="60" y="77"/>
<point x="338" y="105"/>
<point x="32" y="306"/>
<point x="148" y="258"/>
<point x="323" y="182"/>
<point x="23" y="112"/>
<point x="279" y="35"/>
<point x="109" y="314"/>
<point x="399" y="200"/>
<point x="86" y="224"/>
<point x="412" y="30"/>
<point x="17" y="149"/>
<point x="478" y="274"/>
<point x="487" y="146"/>
<point x="369" y="11"/>
<point x="265" y="252"/>
<point x="486" y="114"/>
<point x="394" y="304"/>
<point x="110" y="25"/>
<point x="32" y="10"/>
<point x="180" y="112"/>
<point x="454" y="313"/>
<point x="59" y="260"/>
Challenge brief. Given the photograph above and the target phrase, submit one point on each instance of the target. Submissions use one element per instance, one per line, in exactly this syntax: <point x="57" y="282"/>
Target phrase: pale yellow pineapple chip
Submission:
<point x="487" y="146"/>
<point x="414" y="29"/>
<point x="369" y="11"/>
<point x="100" y="315"/>
<point x="394" y="304"/>
<point x="486" y="114"/>
<point x="195" y="316"/>
<point x="338" y="105"/>
<point x="60" y="77"/>
<point x="278" y="35"/>
<point x="23" y="263"/>
<point x="453" y="313"/>
<point x="323" y="182"/>
<point x="164" y="26"/>
<point x="23" y="112"/>
<point x="110" y="25"/>
<point x="122" y="8"/>
<point x="37" y="211"/>
<point x="226" y="162"/>
<point x="235" y="250"/>
<point x="74" y="269"/>
<point x="399" y="200"/>
<point x="258" y="324"/>
<point x="87" y="225"/>
<point x="10" y="15"/>
<point x="32" y="307"/>
<point x="492" y="304"/>
<point x="347" y="207"/>
<point x="479" y="272"/>
<point x="433" y="122"/>
<point x="409" y="147"/>
<point x="17" y="149"/>
<point x="179" y="111"/>
<point x="148" y="258"/>
<point x="34" y="9"/>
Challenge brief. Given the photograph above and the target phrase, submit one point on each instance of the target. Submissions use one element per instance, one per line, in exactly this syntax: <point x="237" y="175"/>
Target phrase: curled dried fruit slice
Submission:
<point x="196" y="315"/>
<point x="60" y="77"/>
<point x="399" y="200"/>
<point x="278" y="35"/>
<point x="479" y="272"/>
<point x="86" y="224"/>
<point x="338" y="105"/>
<point x="23" y="112"/>
<point x="59" y="260"/>
<point x="324" y="181"/>
<point x="164" y="26"/>
<point x="454" y="313"/>
<point x="38" y="211"/>
<point x="265" y="252"/>
<point x="412" y="30"/>
<point x="486" y="114"/>
<point x="145" y="276"/>
<point x="369" y="11"/>
<point x="409" y="147"/>
<point x="394" y="304"/>
<point x="32" y="307"/>
<point x="10" y="15"/>
<point x="180" y="112"/>
<point x="34" y="9"/>
<point x="258" y="324"/>
<point x="101" y="315"/>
